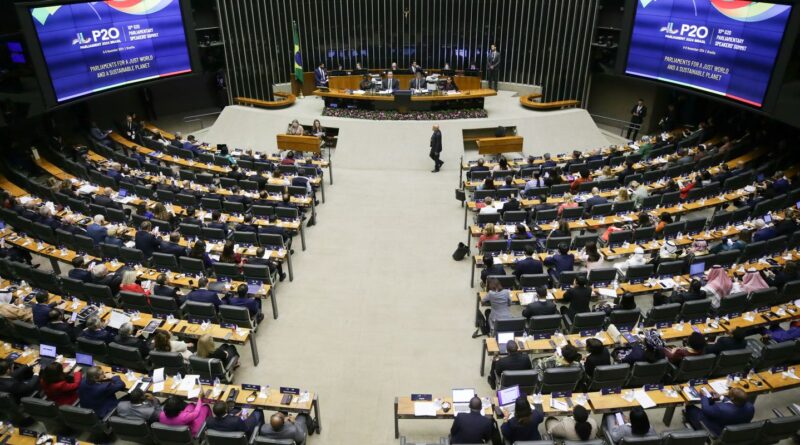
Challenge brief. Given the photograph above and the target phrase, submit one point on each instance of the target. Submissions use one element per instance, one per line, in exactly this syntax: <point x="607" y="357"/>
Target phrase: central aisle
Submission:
<point x="378" y="307"/>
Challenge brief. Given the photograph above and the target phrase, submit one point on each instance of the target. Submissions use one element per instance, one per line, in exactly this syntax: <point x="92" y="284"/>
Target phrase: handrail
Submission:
<point x="614" y="122"/>
<point x="286" y="100"/>
<point x="187" y="118"/>
<point x="528" y="101"/>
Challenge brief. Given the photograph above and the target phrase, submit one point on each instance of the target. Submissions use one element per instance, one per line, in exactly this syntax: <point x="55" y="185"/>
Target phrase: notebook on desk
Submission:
<point x="461" y="398"/>
<point x="507" y="397"/>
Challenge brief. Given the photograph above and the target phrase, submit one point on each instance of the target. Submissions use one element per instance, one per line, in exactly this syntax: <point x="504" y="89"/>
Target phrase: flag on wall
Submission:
<point x="298" y="58"/>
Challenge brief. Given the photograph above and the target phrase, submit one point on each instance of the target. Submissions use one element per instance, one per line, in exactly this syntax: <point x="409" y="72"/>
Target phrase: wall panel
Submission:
<point x="542" y="42"/>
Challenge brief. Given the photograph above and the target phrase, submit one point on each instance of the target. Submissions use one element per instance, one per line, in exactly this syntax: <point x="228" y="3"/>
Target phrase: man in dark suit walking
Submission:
<point x="436" y="149"/>
<point x="638" y="112"/>
<point x="494" y="62"/>
<point x="471" y="427"/>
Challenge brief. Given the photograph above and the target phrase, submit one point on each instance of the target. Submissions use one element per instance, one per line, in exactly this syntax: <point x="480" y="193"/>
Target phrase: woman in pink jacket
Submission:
<point x="177" y="412"/>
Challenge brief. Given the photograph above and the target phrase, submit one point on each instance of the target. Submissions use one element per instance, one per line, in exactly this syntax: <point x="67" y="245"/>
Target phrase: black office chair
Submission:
<point x="164" y="261"/>
<point x="172" y="362"/>
<point x="525" y="379"/>
<point x="96" y="348"/>
<point x="608" y="376"/>
<point x="171" y="435"/>
<point x="585" y="321"/>
<point x="745" y="433"/>
<point x="59" y="339"/>
<point x="200" y="311"/>
<point x="685" y="437"/>
<point x="214" y="437"/>
<point x="131" y="256"/>
<point x="693" y="367"/>
<point x="86" y="420"/>
<point x="733" y="303"/>
<point x="11" y="410"/>
<point x="131" y="430"/>
<point x="774" y="354"/>
<point x="666" y="313"/>
<point x="134" y="301"/>
<point x="695" y="309"/>
<point x="163" y="306"/>
<point x="643" y="373"/>
<point x="191" y="266"/>
<point x="45" y="411"/>
<point x="25" y="332"/>
<point x="731" y="361"/>
<point x="624" y="317"/>
<point x="128" y="357"/>
<point x="560" y="379"/>
<point x="544" y="324"/>
<point x="211" y="368"/>
<point x="779" y="428"/>
<point x="238" y="315"/>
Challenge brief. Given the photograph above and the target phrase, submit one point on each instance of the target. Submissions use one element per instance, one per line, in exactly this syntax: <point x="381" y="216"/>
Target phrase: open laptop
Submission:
<point x="84" y="359"/>
<point x="767" y="218"/>
<point x="696" y="270"/>
<point x="461" y="398"/>
<point x="47" y="354"/>
<point x="506" y="398"/>
<point x="122" y="193"/>
<point x="502" y="341"/>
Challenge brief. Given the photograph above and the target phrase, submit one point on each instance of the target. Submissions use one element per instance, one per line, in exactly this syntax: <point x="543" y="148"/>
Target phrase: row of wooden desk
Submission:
<point x="249" y="396"/>
<point x="665" y="396"/>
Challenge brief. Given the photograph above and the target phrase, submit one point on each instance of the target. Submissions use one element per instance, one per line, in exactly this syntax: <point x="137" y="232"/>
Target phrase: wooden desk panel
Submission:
<point x="506" y="144"/>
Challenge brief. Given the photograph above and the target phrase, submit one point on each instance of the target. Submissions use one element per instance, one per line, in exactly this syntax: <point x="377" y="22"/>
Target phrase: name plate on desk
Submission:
<point x="606" y="391"/>
<point x="292" y="391"/>
<point x="206" y="382"/>
<point x="561" y="394"/>
<point x="29" y="433"/>
<point x="630" y="338"/>
<point x="543" y="335"/>
<point x="663" y="325"/>
<point x="763" y="309"/>
<point x="589" y="332"/>
<point x="421" y="397"/>
<point x="228" y="325"/>
<point x="13" y="356"/>
<point x="119" y="369"/>
<point x="66" y="440"/>
<point x="777" y="369"/>
<point x="697" y="382"/>
<point x="653" y="387"/>
<point x="250" y="387"/>
<point x="697" y="321"/>
<point x="195" y="321"/>
<point x="735" y="375"/>
<point x="734" y="314"/>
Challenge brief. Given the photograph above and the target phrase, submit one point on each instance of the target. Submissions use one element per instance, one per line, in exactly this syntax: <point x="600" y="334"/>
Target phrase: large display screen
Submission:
<point x="95" y="46"/>
<point x="723" y="47"/>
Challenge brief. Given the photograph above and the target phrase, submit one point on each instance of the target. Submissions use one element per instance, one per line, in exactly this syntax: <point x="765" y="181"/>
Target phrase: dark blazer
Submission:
<point x="637" y="117"/>
<point x="113" y="241"/>
<point x="514" y="432"/>
<point x="560" y="262"/>
<point x="64" y="327"/>
<point x="147" y="243"/>
<point x="767" y="233"/>
<point x="165" y="291"/>
<point x="538" y="308"/>
<point x="133" y="342"/>
<point x="724" y="344"/>
<point x="228" y="423"/>
<point x="472" y="427"/>
<point x="578" y="299"/>
<point x="96" y="232"/>
<point x="218" y="225"/>
<point x="394" y="86"/>
<point x="20" y="383"/>
<point x="99" y="334"/>
<point x="245" y="228"/>
<point x="512" y="362"/>
<point x="527" y="266"/>
<point x="105" y="201"/>
<point x="320" y="77"/>
<point x="80" y="274"/>
<point x="275" y="230"/>
<point x="717" y="416"/>
<point x="418" y="84"/>
<point x="593" y="201"/>
<point x="41" y="314"/>
<point x="594" y="360"/>
<point x="253" y="305"/>
<point x="101" y="396"/>
<point x="496" y="269"/>
<point x="203" y="296"/>
<point x="174" y="249"/>
<point x="436" y="142"/>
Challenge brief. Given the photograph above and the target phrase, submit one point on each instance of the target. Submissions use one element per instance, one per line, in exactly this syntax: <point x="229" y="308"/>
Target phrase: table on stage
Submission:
<point x="434" y="100"/>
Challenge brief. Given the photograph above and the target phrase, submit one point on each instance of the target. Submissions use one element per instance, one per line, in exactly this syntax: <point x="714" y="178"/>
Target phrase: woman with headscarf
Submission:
<point x="719" y="285"/>
<point x="753" y="281"/>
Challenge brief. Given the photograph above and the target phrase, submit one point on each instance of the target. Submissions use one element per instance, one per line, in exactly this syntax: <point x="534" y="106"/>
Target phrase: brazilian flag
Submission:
<point x="298" y="58"/>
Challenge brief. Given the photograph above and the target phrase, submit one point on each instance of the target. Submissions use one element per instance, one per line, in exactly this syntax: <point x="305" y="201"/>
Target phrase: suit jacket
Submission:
<point x="560" y="262"/>
<point x="494" y="60"/>
<point x="105" y="201"/>
<point x="165" y="291"/>
<point x="147" y="411"/>
<point x="418" y="84"/>
<point x="512" y="362"/>
<point x="724" y="344"/>
<point x="593" y="201"/>
<point x="320" y="77"/>
<point x="716" y="416"/>
<point x="637" y="117"/>
<point x="98" y="334"/>
<point x="20" y="383"/>
<point x="101" y="396"/>
<point x="538" y="308"/>
<point x="253" y="305"/>
<point x="765" y="234"/>
<point x="133" y="342"/>
<point x="172" y="248"/>
<point x="41" y="314"/>
<point x="595" y="360"/>
<point x="203" y="296"/>
<point x="472" y="427"/>
<point x="80" y="274"/>
<point x="64" y="327"/>
<point x="527" y="266"/>
<point x="96" y="232"/>
<point x="394" y="86"/>
<point x="436" y="142"/>
<point x="578" y="299"/>
<point x="276" y="231"/>
<point x="228" y="423"/>
<point x="147" y="243"/>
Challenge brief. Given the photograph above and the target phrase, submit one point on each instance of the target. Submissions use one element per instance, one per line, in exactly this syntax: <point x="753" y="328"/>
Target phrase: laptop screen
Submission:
<point x="767" y="218"/>
<point x="123" y="193"/>
<point x="253" y="288"/>
<point x="508" y="396"/>
<point x="697" y="269"/>
<point x="84" y="359"/>
<point x="504" y="337"/>
<point x="47" y="350"/>
<point x="463" y="395"/>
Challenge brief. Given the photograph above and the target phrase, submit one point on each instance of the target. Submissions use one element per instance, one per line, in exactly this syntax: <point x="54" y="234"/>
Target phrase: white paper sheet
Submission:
<point x="117" y="319"/>
<point x="158" y="375"/>
<point x="158" y="387"/>
<point x="559" y="405"/>
<point x="607" y="293"/>
<point x="719" y="386"/>
<point x="188" y="382"/>
<point x="644" y="400"/>
<point x="424" y="409"/>
<point x="526" y="298"/>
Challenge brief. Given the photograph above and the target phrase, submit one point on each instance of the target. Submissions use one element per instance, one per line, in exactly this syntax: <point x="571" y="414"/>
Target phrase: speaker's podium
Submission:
<point x="494" y="146"/>
<point x="309" y="144"/>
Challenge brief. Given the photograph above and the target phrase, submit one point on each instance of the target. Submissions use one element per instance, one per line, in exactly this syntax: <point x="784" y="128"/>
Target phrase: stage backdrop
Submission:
<point x="542" y="42"/>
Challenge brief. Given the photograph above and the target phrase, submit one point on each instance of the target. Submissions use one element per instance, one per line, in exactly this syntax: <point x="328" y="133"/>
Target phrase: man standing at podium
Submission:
<point x="494" y="62"/>
<point x="321" y="76"/>
<point x="638" y="112"/>
<point x="390" y="83"/>
<point x="436" y="149"/>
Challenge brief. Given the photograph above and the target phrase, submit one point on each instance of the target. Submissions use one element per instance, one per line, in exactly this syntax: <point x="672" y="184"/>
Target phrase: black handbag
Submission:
<point x="461" y="251"/>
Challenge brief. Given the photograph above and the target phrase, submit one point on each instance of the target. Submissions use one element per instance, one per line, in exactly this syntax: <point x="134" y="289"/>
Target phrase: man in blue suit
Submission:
<point x="594" y="200"/>
<point x="172" y="246"/>
<point x="146" y="241"/>
<point x="215" y="223"/>
<point x="321" y="76"/>
<point x="97" y="391"/>
<point x="763" y="231"/>
<point x="96" y="231"/>
<point x="95" y="330"/>
<point x="222" y="420"/>
<point x="242" y="299"/>
<point x="733" y="410"/>
<point x="472" y="427"/>
<point x="41" y="310"/>
<point x="560" y="262"/>
<point x="528" y="265"/>
<point x="203" y="295"/>
<point x="79" y="271"/>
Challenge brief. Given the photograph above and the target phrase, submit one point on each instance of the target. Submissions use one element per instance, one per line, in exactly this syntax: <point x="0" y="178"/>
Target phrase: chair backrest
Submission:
<point x="59" y="339"/>
<point x="134" y="301"/>
<point x="171" y="435"/>
<point x="191" y="265"/>
<point x="601" y="209"/>
<point x="732" y="361"/>
<point x="238" y="315"/>
<point x="544" y="323"/>
<point x="214" y="437"/>
<point x="587" y="320"/>
<point x="131" y="430"/>
<point x="163" y="305"/>
<point x="763" y="297"/>
<point x="95" y="348"/>
<point x="186" y="229"/>
<point x="685" y="437"/>
<point x="164" y="261"/>
<point x="779" y="428"/>
<point x="647" y="373"/>
<point x="624" y="317"/>
<point x="227" y="270"/>
<point x="775" y="354"/>
<point x="494" y="246"/>
<point x="545" y="216"/>
<point x="584" y="442"/>
<point x="560" y="379"/>
<point x="695" y="309"/>
<point x="208" y="368"/>
<point x="10" y="409"/>
<point x="609" y="376"/>
<point x="516" y="325"/>
<point x="261" y="440"/>
<point x="736" y="302"/>
<point x="572" y="213"/>
<point x="618" y="238"/>
<point x="83" y="419"/>
<point x="172" y="362"/>
<point x="130" y="255"/>
<point x="746" y="433"/>
<point x="525" y="379"/>
<point x="646" y="440"/>
<point x="39" y="408"/>
<point x="661" y="314"/>
<point x="486" y="218"/>
<point x="203" y="311"/>
<point x="126" y="356"/>
<point x="695" y="367"/>
<point x="25" y="332"/>
<point x="644" y="233"/>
